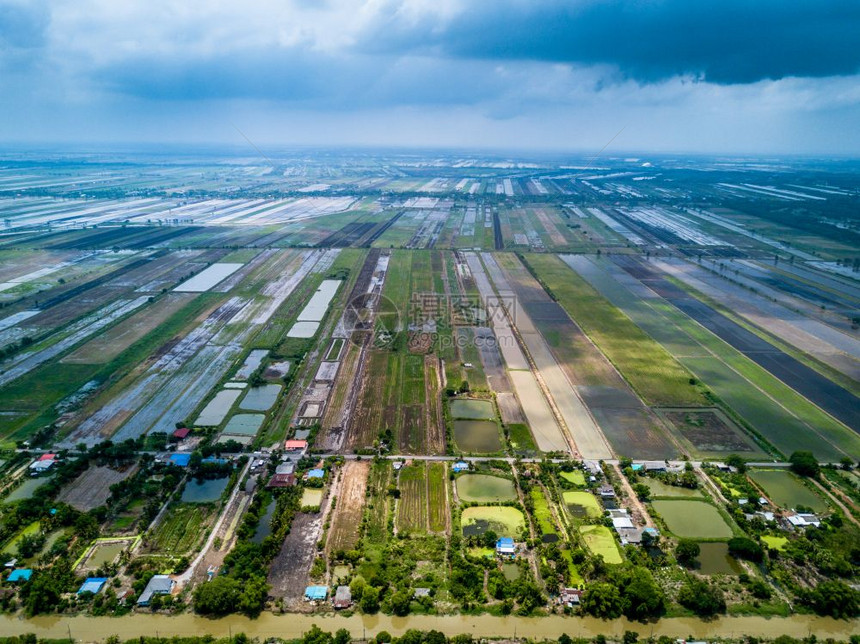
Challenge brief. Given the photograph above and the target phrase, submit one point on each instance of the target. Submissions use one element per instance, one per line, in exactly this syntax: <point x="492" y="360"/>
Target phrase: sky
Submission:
<point x="706" y="76"/>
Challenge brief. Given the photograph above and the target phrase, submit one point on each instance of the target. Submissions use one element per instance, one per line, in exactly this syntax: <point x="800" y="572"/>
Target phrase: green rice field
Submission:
<point x="599" y="540"/>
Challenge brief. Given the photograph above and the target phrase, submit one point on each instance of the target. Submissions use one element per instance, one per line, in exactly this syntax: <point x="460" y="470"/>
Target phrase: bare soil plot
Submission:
<point x="288" y="575"/>
<point x="709" y="431"/>
<point x="105" y="347"/>
<point x="92" y="488"/>
<point x="350" y="507"/>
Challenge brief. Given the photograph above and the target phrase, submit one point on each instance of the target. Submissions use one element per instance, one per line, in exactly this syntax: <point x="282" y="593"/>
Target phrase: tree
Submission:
<point x="370" y="600"/>
<point x="834" y="598"/>
<point x="400" y="602"/>
<point x="737" y="462"/>
<point x="642" y="491"/>
<point x="602" y="600"/>
<point x="217" y="597"/>
<point x="630" y="637"/>
<point x="804" y="463"/>
<point x="701" y="597"/>
<point x="745" y="548"/>
<point x="642" y="596"/>
<point x="342" y="636"/>
<point x="686" y="552"/>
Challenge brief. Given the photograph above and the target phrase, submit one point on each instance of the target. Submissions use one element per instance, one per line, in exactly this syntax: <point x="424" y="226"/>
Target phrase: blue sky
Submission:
<point x="744" y="76"/>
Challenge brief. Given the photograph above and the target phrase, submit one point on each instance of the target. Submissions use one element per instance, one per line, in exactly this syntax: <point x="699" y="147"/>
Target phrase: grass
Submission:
<point x="786" y="490"/>
<point x="522" y="441"/>
<point x="651" y="370"/>
<point x="483" y="488"/>
<point x="311" y="497"/>
<point x="438" y="499"/>
<point x="599" y="540"/>
<point x="692" y="519"/>
<point x="582" y="504"/>
<point x="774" y="542"/>
<point x="542" y="513"/>
<point x="577" y="477"/>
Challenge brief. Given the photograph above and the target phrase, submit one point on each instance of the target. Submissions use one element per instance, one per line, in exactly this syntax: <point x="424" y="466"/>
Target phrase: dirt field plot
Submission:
<point x="350" y="506"/>
<point x="709" y="431"/>
<point x="288" y="575"/>
<point x="92" y="488"/>
<point x="412" y="507"/>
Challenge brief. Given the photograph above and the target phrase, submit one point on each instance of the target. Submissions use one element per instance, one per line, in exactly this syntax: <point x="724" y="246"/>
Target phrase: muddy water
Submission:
<point x="92" y="629"/>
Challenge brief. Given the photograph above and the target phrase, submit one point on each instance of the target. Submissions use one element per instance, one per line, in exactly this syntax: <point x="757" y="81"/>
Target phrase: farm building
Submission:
<point x="42" y="464"/>
<point x="19" y="575"/>
<point x="180" y="460"/>
<point x="629" y="536"/>
<point x="92" y="585"/>
<point x="316" y="593"/>
<point x="281" y="480"/>
<point x="505" y="547"/>
<point x="803" y="520"/>
<point x="158" y="585"/>
<point x="421" y="592"/>
<point x="181" y="433"/>
<point x="607" y="491"/>
<point x="570" y="597"/>
<point x="342" y="597"/>
<point x="285" y="468"/>
<point x="294" y="446"/>
<point x="11" y="563"/>
<point x="316" y="473"/>
<point x="460" y="466"/>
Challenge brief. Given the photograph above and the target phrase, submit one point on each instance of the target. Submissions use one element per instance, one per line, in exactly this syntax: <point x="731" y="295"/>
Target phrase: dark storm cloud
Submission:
<point x="726" y="42"/>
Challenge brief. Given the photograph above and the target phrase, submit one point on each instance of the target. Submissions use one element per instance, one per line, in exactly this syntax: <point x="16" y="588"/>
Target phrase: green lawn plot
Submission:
<point x="477" y="436"/>
<point x="692" y="519"/>
<point x="599" y="540"/>
<point x="412" y="506"/>
<point x="543" y="515"/>
<point x="483" y="488"/>
<point x="183" y="526"/>
<point x="574" y="578"/>
<point x="472" y="409"/>
<point x="469" y="354"/>
<point x="311" y="497"/>
<point x="376" y="513"/>
<point x="658" y="488"/>
<point x="581" y="504"/>
<point x="774" y="542"/>
<point x="577" y="477"/>
<point x="651" y="370"/>
<point x="522" y="441"/>
<point x="778" y="413"/>
<point x="786" y="490"/>
<point x="505" y="521"/>
<point x="437" y="484"/>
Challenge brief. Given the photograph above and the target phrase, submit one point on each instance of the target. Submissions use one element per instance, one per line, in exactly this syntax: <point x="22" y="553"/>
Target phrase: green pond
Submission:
<point x="714" y="559"/>
<point x="264" y="527"/>
<point x="247" y="424"/>
<point x="692" y="519"/>
<point x="786" y="490"/>
<point x="260" y="398"/>
<point x="105" y="553"/>
<point x="503" y="520"/>
<point x="25" y="490"/>
<point x="658" y="488"/>
<point x="472" y="409"/>
<point x="483" y="488"/>
<point x="205" y="491"/>
<point x="479" y="436"/>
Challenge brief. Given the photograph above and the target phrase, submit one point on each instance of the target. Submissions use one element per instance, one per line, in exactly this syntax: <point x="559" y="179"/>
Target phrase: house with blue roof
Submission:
<point x="316" y="593"/>
<point x="505" y="547"/>
<point x="20" y="575"/>
<point x="92" y="585"/>
<point x="316" y="473"/>
<point x="460" y="466"/>
<point x="180" y="460"/>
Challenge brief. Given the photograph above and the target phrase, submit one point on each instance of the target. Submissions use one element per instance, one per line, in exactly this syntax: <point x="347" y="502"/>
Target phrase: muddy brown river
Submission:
<point x="93" y="629"/>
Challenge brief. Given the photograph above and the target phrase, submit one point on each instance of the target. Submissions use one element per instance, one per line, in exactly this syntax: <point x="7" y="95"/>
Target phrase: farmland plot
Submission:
<point x="437" y="485"/>
<point x="350" y="507"/>
<point x="413" y="504"/>
<point x="92" y="488"/>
